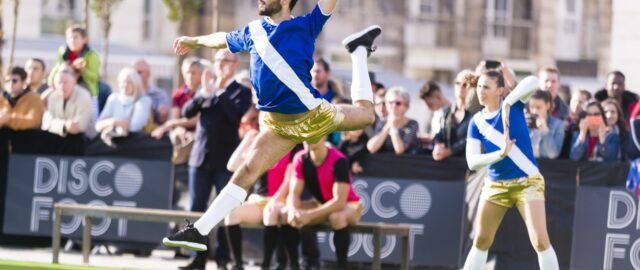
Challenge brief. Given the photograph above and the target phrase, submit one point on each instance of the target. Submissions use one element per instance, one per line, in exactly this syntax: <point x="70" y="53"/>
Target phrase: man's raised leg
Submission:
<point x="360" y="114"/>
<point x="266" y="150"/>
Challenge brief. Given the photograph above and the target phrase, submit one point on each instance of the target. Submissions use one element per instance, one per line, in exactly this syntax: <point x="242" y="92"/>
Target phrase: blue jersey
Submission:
<point x="281" y="60"/>
<point x="488" y="129"/>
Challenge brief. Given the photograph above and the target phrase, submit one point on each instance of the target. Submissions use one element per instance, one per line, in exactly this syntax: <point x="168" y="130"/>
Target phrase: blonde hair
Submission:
<point x="132" y="74"/>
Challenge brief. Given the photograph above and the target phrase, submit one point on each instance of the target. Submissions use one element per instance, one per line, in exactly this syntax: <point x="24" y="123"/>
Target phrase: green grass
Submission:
<point x="13" y="265"/>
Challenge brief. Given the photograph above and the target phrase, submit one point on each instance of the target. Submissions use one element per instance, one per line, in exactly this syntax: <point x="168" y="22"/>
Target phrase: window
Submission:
<point x="428" y="7"/>
<point x="571" y="6"/>
<point x="146" y="20"/>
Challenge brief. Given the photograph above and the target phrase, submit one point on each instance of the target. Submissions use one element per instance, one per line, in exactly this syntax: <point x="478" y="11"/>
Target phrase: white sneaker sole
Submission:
<point x="354" y="36"/>
<point x="184" y="244"/>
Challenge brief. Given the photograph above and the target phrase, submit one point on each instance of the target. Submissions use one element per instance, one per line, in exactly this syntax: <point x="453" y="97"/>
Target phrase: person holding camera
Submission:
<point x="592" y="141"/>
<point x="546" y="131"/>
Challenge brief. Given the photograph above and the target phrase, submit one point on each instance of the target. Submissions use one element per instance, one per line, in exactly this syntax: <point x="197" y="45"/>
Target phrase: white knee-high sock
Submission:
<point x="476" y="259"/>
<point x="229" y="198"/>
<point x="547" y="259"/>
<point x="360" y="83"/>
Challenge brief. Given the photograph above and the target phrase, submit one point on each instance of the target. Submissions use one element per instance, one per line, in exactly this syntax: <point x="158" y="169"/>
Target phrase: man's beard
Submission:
<point x="270" y="9"/>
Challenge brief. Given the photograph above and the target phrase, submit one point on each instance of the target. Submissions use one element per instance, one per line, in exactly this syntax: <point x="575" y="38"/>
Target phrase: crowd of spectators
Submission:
<point x="206" y="117"/>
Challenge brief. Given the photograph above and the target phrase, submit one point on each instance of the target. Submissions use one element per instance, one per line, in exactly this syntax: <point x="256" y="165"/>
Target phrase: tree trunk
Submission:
<point x="85" y="17"/>
<point x="177" y="78"/>
<point x="105" y="46"/>
<point x="15" y="27"/>
<point x="1" y="36"/>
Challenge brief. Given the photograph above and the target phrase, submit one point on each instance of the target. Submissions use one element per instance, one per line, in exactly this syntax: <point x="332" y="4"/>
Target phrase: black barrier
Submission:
<point x="35" y="183"/>
<point x="606" y="232"/>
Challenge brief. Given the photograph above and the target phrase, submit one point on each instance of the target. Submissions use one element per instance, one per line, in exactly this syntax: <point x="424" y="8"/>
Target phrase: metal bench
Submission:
<point x="158" y="215"/>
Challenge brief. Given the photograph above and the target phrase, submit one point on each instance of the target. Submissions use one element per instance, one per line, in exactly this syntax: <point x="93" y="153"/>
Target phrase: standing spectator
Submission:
<point x="84" y="59"/>
<point x="616" y="124"/>
<point x="549" y="79"/>
<point x="329" y="89"/>
<point x="68" y="113"/>
<point x="576" y="106"/>
<point x="437" y="103"/>
<point x="192" y="72"/>
<point x="160" y="103"/>
<point x="36" y="68"/>
<point x="127" y="110"/>
<point x="397" y="133"/>
<point x="324" y="171"/>
<point x="20" y="108"/>
<point x="592" y="141"/>
<point x="546" y="131"/>
<point x="451" y="140"/>
<point x="221" y="104"/>
<point x="616" y="89"/>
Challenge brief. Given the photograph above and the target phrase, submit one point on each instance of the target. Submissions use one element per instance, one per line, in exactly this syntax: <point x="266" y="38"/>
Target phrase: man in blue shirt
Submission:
<point x="281" y="48"/>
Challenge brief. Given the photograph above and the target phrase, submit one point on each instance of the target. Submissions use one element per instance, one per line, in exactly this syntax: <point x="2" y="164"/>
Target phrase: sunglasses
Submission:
<point x="594" y="114"/>
<point x="395" y="103"/>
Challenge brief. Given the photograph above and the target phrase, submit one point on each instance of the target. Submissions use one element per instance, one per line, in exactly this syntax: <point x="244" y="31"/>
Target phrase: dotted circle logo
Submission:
<point x="128" y="180"/>
<point x="415" y="201"/>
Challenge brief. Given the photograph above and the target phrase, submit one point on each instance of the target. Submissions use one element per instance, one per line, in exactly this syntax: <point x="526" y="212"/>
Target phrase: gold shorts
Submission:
<point x="309" y="126"/>
<point x="513" y="191"/>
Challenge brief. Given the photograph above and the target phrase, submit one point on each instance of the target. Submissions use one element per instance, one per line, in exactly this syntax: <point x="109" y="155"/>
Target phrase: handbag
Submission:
<point x="181" y="146"/>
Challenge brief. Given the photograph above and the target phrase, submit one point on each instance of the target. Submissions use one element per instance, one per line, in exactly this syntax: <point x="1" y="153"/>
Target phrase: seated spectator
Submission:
<point x="616" y="89"/>
<point x="84" y="59"/>
<point x="20" y="108"/>
<point x="354" y="146"/>
<point x="546" y="131"/>
<point x="616" y="123"/>
<point x="451" y="140"/>
<point x="437" y="103"/>
<point x="35" y="75"/>
<point x="127" y="109"/>
<point x="160" y="103"/>
<point x="324" y="171"/>
<point x="398" y="133"/>
<point x="68" y="113"/>
<point x="592" y="141"/>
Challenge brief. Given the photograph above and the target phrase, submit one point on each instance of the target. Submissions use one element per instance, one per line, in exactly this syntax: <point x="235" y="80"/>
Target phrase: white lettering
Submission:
<point x="615" y="199"/>
<point x="611" y="251"/>
<point x="98" y="168"/>
<point x="376" y="197"/>
<point x="40" y="185"/>
<point x="38" y="212"/>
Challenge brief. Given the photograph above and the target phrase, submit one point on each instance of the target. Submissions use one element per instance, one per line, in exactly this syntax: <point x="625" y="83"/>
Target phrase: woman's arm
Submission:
<point x="401" y="143"/>
<point x="140" y="115"/>
<point x="551" y="143"/>
<point x="609" y="151"/>
<point x="327" y="6"/>
<point x="375" y="143"/>
<point x="523" y="90"/>
<point x="578" y="148"/>
<point x="475" y="159"/>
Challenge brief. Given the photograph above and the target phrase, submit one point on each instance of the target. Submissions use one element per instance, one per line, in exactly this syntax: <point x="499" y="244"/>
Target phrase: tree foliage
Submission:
<point x="180" y="10"/>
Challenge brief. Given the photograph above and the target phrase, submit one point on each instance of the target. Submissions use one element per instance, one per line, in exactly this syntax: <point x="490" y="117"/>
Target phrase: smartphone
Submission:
<point x="532" y="121"/>
<point x="594" y="120"/>
<point x="491" y="64"/>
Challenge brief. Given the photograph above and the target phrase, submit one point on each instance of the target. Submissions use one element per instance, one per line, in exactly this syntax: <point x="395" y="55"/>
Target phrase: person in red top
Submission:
<point x="324" y="172"/>
<point x="192" y="70"/>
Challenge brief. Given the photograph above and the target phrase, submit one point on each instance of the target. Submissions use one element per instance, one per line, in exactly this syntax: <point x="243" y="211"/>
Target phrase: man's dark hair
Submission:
<point x="428" y="89"/>
<point x="617" y="73"/>
<point x="20" y="72"/>
<point x="292" y="4"/>
<point x="324" y="63"/>
<point x="40" y="61"/>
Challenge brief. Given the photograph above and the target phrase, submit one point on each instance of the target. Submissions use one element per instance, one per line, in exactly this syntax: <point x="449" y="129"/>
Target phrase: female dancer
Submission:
<point x="513" y="173"/>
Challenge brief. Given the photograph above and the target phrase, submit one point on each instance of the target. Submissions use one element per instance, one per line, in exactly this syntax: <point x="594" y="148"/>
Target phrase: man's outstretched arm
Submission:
<point x="327" y="6"/>
<point x="184" y="44"/>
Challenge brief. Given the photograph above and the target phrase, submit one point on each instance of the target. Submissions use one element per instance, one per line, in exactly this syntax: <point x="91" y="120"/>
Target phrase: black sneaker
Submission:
<point x="189" y="237"/>
<point x="363" y="38"/>
<point x="194" y="265"/>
